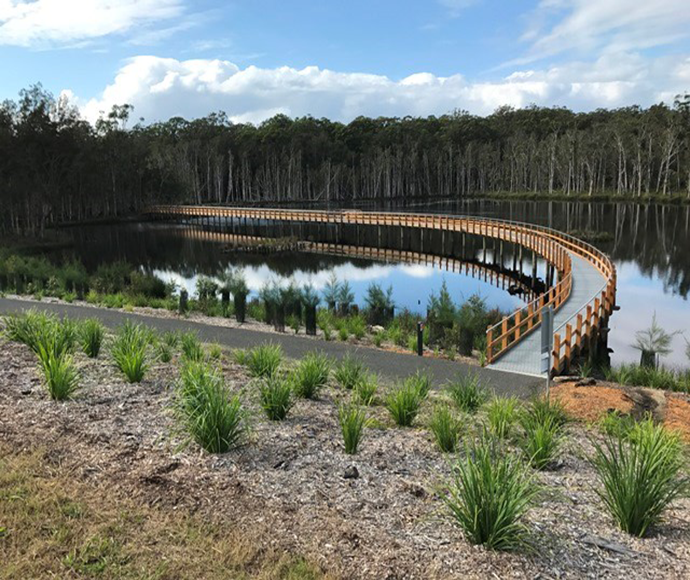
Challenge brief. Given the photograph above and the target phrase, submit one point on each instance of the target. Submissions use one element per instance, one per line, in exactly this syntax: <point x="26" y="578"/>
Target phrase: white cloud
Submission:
<point x="604" y="26"/>
<point x="48" y="22"/>
<point x="163" y="87"/>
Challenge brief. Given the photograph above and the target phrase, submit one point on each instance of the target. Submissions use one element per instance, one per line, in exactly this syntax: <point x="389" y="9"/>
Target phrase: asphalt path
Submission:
<point x="389" y="365"/>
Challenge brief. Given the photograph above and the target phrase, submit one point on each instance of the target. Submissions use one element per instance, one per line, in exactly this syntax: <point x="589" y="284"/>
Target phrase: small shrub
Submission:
<point x="207" y="414"/>
<point x="343" y="334"/>
<point x="378" y="339"/>
<point x="502" y="413"/>
<point x="352" y="421"/>
<point x="311" y="375"/>
<point x="191" y="347"/>
<point x="488" y="495"/>
<point x="404" y="403"/>
<point x="60" y="374"/>
<point x="275" y="394"/>
<point x="541" y="440"/>
<point x="365" y="389"/>
<point x="264" y="360"/>
<point x="349" y="372"/>
<point x="467" y="393"/>
<point x="91" y="334"/>
<point x="129" y="351"/>
<point x="640" y="475"/>
<point x="445" y="428"/>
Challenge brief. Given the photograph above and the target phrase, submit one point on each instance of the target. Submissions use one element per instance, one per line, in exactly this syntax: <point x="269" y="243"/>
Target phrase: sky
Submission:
<point x="341" y="59"/>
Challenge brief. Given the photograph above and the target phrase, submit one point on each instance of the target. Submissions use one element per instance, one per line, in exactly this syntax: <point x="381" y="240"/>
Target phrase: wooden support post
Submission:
<point x="504" y="332"/>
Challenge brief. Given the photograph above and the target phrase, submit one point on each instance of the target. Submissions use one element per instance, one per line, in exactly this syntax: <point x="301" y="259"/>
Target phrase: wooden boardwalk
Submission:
<point x="583" y="297"/>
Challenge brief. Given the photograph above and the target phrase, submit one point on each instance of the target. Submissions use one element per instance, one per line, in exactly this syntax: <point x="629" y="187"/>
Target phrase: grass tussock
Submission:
<point x="541" y="440"/>
<point x="208" y="414"/>
<point x="445" y="428"/>
<point x="403" y="403"/>
<point x="311" y="375"/>
<point x="264" y="360"/>
<point x="276" y="397"/>
<point x="352" y="419"/>
<point x="37" y="329"/>
<point x="192" y="349"/>
<point x="349" y="372"/>
<point x="488" y="494"/>
<point x="468" y="393"/>
<point x="641" y="474"/>
<point x="129" y="351"/>
<point x="366" y="388"/>
<point x="59" y="372"/>
<point x="91" y="334"/>
<point x="502" y="413"/>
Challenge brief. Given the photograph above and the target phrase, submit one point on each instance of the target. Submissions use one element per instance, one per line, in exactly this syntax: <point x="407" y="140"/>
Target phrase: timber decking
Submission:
<point x="513" y="339"/>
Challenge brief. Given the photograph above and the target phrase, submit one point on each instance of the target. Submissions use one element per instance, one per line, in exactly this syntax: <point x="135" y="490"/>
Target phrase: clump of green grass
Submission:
<point x="468" y="393"/>
<point x="404" y="403"/>
<point x="91" y="333"/>
<point x="264" y="360"/>
<point x="192" y="350"/>
<point x="616" y="424"/>
<point x="421" y="383"/>
<point x="489" y="493"/>
<point x="349" y="372"/>
<point x="352" y="419"/>
<point x="365" y="389"/>
<point x="171" y="339"/>
<point x="38" y="329"/>
<point x="311" y="375"/>
<point x="129" y="351"/>
<point x="206" y="411"/>
<point x="640" y="475"/>
<point x="28" y="327"/>
<point x="215" y="352"/>
<point x="60" y="374"/>
<point x="545" y="407"/>
<point x="542" y="438"/>
<point x="445" y="428"/>
<point x="164" y="352"/>
<point x="276" y="397"/>
<point x="502" y="412"/>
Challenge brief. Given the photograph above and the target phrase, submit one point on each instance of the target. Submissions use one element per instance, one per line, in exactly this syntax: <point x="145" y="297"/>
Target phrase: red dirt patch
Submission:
<point x="591" y="403"/>
<point x="678" y="416"/>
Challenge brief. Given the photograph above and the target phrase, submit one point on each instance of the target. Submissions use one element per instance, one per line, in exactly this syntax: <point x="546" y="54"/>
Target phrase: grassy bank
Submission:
<point x="52" y="524"/>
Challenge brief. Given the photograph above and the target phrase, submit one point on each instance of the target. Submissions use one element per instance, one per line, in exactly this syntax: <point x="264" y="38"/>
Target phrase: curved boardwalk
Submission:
<point x="583" y="298"/>
<point x="525" y="356"/>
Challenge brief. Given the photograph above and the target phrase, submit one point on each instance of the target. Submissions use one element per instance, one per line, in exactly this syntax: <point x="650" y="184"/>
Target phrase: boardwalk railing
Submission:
<point x="553" y="246"/>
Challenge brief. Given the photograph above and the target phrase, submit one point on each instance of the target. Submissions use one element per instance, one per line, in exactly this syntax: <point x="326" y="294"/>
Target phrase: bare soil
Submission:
<point x="286" y="489"/>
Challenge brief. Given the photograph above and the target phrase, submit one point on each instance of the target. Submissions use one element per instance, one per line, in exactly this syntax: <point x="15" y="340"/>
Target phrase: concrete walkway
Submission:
<point x="525" y="357"/>
<point x="389" y="365"/>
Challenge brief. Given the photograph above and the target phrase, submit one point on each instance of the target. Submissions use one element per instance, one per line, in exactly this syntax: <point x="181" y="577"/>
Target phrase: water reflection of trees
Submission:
<point x="156" y="247"/>
<point x="655" y="237"/>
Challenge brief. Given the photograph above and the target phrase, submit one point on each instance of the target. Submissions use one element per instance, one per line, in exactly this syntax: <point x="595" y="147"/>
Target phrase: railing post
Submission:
<point x="504" y="333"/>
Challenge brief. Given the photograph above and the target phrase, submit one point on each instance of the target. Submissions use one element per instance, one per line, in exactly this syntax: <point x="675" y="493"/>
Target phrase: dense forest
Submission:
<point x="56" y="167"/>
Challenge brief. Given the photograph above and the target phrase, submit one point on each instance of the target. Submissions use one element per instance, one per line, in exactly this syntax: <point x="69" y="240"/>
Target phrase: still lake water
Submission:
<point x="650" y="245"/>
